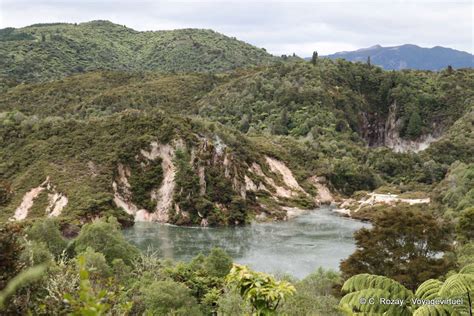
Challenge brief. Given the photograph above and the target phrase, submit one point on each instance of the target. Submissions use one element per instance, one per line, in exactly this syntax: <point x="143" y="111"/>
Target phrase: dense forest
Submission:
<point x="102" y="126"/>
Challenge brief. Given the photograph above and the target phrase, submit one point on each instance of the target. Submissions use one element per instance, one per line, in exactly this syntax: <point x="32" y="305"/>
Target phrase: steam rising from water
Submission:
<point x="297" y="247"/>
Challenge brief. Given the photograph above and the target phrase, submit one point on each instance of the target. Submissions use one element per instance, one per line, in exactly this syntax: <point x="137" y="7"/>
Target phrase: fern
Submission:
<point x="368" y="302"/>
<point x="469" y="269"/>
<point x="457" y="285"/>
<point x="429" y="289"/>
<point x="435" y="310"/>
<point x="367" y="281"/>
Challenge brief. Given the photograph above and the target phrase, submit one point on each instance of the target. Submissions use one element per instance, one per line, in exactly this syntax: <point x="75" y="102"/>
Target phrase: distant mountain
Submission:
<point x="409" y="57"/>
<point x="49" y="51"/>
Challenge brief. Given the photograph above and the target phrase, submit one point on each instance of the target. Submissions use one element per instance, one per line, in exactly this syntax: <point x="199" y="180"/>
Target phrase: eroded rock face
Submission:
<point x="393" y="140"/>
<point x="162" y="195"/>
<point x="122" y="192"/>
<point x="277" y="181"/>
<point x="323" y="195"/>
<point x="350" y="206"/>
<point x="27" y="202"/>
<point x="379" y="131"/>
<point x="279" y="167"/>
<point x="57" y="201"/>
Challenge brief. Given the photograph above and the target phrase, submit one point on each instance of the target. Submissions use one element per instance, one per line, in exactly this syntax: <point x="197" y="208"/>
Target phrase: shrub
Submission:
<point x="218" y="263"/>
<point x="169" y="297"/>
<point x="47" y="231"/>
<point x="105" y="236"/>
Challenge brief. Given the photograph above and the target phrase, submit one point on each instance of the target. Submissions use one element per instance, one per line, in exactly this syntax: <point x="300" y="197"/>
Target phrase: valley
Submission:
<point x="166" y="161"/>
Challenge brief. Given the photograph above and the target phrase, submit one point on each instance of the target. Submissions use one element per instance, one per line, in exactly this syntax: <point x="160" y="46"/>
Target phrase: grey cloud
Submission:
<point x="281" y="27"/>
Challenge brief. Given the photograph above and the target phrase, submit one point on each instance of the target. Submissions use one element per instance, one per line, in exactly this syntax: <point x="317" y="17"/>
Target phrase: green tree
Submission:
<point x="218" y="263"/>
<point x="90" y="301"/>
<point x="169" y="298"/>
<point x="47" y="231"/>
<point x="36" y="253"/>
<point x="10" y="251"/>
<point x="261" y="290"/>
<point x="465" y="225"/>
<point x="5" y="193"/>
<point x="105" y="236"/>
<point x="314" y="295"/>
<point x="414" y="125"/>
<point x="245" y="123"/>
<point x="280" y="126"/>
<point x="364" y="287"/>
<point x="405" y="243"/>
<point x="314" y="58"/>
<point x="96" y="264"/>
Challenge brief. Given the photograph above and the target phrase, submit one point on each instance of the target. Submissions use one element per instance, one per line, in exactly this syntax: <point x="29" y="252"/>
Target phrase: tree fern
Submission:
<point x="458" y="284"/>
<point x="469" y="269"/>
<point x="369" y="281"/>
<point x="435" y="310"/>
<point x="429" y="289"/>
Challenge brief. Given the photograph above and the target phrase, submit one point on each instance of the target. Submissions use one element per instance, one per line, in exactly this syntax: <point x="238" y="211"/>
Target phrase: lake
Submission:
<point x="318" y="238"/>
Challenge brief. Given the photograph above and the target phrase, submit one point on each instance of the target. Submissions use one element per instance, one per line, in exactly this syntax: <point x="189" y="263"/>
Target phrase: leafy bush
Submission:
<point x="169" y="297"/>
<point x="47" y="231"/>
<point x="261" y="290"/>
<point x="218" y="263"/>
<point x="105" y="236"/>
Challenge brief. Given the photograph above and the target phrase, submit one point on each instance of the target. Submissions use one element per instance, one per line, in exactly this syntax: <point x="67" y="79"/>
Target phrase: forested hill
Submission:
<point x="117" y="121"/>
<point x="42" y="52"/>
<point x="409" y="57"/>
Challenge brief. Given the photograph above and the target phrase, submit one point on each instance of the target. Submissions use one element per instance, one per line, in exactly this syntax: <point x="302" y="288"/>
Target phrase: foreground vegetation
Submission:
<point x="100" y="273"/>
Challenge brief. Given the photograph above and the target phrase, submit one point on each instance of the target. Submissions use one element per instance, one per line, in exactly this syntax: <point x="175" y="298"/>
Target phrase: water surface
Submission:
<point x="297" y="247"/>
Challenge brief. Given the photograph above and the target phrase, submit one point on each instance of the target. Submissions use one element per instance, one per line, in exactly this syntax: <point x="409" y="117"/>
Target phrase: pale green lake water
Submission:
<point x="318" y="238"/>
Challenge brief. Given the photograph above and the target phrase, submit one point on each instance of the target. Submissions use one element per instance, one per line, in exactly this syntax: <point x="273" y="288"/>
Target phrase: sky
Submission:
<point x="282" y="27"/>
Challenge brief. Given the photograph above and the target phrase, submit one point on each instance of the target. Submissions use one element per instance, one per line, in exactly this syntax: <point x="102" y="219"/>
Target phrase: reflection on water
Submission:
<point x="298" y="247"/>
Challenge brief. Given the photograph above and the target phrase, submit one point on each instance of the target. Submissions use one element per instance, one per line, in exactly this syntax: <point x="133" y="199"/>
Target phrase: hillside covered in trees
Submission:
<point x="102" y="126"/>
<point x="43" y="52"/>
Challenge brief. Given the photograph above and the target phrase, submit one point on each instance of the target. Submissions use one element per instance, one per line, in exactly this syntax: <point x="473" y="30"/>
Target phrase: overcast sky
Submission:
<point x="282" y="27"/>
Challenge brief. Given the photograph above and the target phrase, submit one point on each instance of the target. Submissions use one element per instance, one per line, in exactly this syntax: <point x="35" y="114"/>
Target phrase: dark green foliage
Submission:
<point x="96" y="263"/>
<point x="314" y="58"/>
<point x="456" y="192"/>
<point x="349" y="176"/>
<point x="314" y="295"/>
<point x="405" y="243"/>
<point x="10" y="250"/>
<point x="143" y="180"/>
<point x="105" y="92"/>
<point x="465" y="225"/>
<point x="169" y="297"/>
<point x="188" y="182"/>
<point x="105" y="236"/>
<point x="415" y="125"/>
<point x="5" y="193"/>
<point x="218" y="263"/>
<point x="36" y="253"/>
<point x="47" y="232"/>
